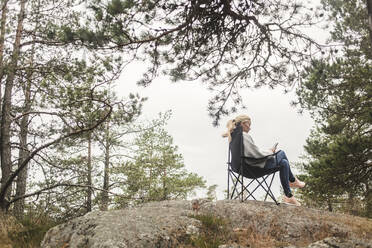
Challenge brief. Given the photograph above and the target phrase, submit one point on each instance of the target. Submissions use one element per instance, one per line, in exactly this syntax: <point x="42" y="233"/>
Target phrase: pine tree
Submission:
<point x="337" y="90"/>
<point x="157" y="171"/>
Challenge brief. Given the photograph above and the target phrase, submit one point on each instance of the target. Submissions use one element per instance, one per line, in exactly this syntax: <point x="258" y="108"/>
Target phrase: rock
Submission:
<point x="249" y="224"/>
<point x="192" y="230"/>
<point x="333" y="242"/>
<point x="128" y="228"/>
<point x="232" y="246"/>
<point x="285" y="223"/>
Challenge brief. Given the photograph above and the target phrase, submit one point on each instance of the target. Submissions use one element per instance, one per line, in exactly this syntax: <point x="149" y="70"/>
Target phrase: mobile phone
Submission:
<point x="275" y="146"/>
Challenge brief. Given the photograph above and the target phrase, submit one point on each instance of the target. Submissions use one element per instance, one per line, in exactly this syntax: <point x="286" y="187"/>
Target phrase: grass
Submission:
<point x="27" y="233"/>
<point x="7" y="224"/>
<point x="360" y="227"/>
<point x="215" y="231"/>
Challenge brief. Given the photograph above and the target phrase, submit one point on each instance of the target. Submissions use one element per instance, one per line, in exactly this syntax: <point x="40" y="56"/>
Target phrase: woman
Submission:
<point x="287" y="179"/>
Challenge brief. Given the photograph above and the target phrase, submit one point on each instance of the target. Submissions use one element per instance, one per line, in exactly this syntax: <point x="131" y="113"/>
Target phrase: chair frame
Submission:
<point x="238" y="178"/>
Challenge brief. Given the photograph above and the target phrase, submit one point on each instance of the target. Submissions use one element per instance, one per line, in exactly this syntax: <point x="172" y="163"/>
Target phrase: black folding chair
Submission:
<point x="240" y="167"/>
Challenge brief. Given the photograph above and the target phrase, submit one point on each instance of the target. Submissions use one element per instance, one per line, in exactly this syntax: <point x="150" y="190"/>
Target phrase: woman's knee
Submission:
<point x="284" y="163"/>
<point x="281" y="155"/>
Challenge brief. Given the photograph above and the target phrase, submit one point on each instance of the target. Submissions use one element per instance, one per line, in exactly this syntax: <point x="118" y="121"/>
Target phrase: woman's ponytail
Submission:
<point x="230" y="127"/>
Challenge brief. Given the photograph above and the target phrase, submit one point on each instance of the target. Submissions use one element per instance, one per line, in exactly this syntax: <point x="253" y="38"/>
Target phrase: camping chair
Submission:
<point x="240" y="167"/>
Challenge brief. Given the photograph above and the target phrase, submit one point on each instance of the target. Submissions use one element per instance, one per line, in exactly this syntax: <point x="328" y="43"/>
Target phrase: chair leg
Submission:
<point x="235" y="180"/>
<point x="269" y="192"/>
<point x="271" y="182"/>
<point x="259" y="184"/>
<point x="267" y="189"/>
<point x="239" y="179"/>
<point x="235" y="186"/>
<point x="228" y="181"/>
<point x="242" y="199"/>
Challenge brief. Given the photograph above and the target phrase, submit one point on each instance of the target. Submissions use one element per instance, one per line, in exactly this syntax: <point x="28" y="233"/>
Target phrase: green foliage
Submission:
<point x="157" y="171"/>
<point x="350" y="24"/>
<point x="213" y="232"/>
<point x="211" y="193"/>
<point x="337" y="91"/>
<point x="116" y="7"/>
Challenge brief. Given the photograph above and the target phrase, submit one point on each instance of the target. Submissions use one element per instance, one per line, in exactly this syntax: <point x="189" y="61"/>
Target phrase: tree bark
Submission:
<point x="89" y="174"/>
<point x="350" y="203"/>
<point x="5" y="148"/>
<point x="106" y="176"/>
<point x="369" y="8"/>
<point x="165" y="190"/>
<point x="4" y="10"/>
<point x="368" y="200"/>
<point x="329" y="204"/>
<point x="21" y="182"/>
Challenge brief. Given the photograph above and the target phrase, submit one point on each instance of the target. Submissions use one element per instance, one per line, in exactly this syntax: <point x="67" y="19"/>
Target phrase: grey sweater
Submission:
<point x="251" y="150"/>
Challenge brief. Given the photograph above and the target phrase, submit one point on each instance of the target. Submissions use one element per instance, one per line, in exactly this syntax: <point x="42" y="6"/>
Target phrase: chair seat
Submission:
<point x="253" y="172"/>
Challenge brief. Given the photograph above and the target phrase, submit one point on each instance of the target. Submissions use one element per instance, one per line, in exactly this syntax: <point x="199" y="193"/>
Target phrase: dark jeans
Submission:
<point x="286" y="175"/>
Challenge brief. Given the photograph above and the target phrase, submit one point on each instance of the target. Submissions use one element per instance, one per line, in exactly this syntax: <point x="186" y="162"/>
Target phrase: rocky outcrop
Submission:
<point x="340" y="243"/>
<point x="178" y="224"/>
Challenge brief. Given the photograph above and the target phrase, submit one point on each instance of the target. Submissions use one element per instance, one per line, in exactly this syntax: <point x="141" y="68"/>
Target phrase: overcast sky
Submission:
<point x="200" y="143"/>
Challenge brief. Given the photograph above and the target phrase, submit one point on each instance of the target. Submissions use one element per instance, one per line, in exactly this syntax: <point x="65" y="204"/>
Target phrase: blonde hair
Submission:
<point x="231" y="124"/>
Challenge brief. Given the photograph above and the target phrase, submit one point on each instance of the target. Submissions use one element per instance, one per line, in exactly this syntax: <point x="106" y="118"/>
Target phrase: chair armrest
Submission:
<point x="253" y="161"/>
<point x="251" y="158"/>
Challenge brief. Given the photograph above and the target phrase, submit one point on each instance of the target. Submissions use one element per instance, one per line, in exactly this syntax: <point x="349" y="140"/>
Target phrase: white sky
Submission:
<point x="201" y="144"/>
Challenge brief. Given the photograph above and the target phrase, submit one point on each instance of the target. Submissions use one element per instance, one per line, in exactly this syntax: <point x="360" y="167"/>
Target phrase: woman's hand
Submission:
<point x="274" y="147"/>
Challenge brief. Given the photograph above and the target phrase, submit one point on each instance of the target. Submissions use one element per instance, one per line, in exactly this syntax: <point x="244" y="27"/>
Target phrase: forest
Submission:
<point x="70" y="145"/>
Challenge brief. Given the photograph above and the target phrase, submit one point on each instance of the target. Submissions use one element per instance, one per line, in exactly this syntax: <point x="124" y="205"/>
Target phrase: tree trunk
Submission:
<point x="106" y="176"/>
<point x="23" y="150"/>
<point x="4" y="10"/>
<point x="89" y="174"/>
<point x="165" y="191"/>
<point x="368" y="201"/>
<point x="329" y="204"/>
<point x="350" y="203"/>
<point x="5" y="148"/>
<point x="369" y="8"/>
